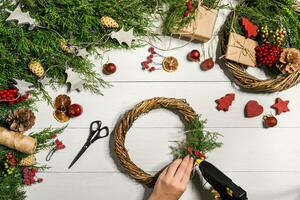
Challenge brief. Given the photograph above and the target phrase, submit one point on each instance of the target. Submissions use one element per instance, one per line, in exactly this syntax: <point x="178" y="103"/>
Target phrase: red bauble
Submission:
<point x="207" y="64"/>
<point x="75" y="110"/>
<point x="194" y="55"/>
<point x="109" y="68"/>
<point x="269" y="121"/>
<point x="268" y="54"/>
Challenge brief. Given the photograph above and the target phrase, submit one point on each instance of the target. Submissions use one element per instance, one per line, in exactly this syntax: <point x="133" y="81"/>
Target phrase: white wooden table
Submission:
<point x="264" y="162"/>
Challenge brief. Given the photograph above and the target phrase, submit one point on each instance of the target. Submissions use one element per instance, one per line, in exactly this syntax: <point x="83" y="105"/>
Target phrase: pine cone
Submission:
<point x="21" y="119"/>
<point x="289" y="60"/>
<point x="28" y="161"/>
<point x="108" y="22"/>
<point x="65" y="46"/>
<point x="36" y="68"/>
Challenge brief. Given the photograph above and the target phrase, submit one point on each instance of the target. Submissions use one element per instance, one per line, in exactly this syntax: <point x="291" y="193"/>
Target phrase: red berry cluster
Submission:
<point x="59" y="145"/>
<point x="189" y="8"/>
<point x="268" y="54"/>
<point x="11" y="96"/>
<point x="196" y="153"/>
<point x="145" y="64"/>
<point x="29" y="176"/>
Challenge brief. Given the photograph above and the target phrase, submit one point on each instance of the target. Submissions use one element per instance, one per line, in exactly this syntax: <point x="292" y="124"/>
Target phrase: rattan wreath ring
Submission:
<point x="180" y="106"/>
<point x="251" y="83"/>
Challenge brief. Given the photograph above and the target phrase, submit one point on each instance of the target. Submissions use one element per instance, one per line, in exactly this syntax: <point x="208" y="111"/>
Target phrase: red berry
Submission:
<point x="186" y="13"/>
<point x="202" y="156"/>
<point x="152" y="69"/>
<point x="109" y="68"/>
<point x="190" y="7"/>
<point x="194" y="55"/>
<point x="34" y="170"/>
<point x="190" y="149"/>
<point x="151" y="50"/>
<point x="40" y="180"/>
<point x="196" y="152"/>
<point x="75" y="110"/>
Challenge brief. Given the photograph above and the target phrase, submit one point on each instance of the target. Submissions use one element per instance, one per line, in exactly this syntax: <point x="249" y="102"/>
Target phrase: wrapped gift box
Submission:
<point x="202" y="27"/>
<point x="241" y="50"/>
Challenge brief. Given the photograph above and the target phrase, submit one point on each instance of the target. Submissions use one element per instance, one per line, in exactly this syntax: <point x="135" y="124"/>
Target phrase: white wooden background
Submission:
<point x="264" y="162"/>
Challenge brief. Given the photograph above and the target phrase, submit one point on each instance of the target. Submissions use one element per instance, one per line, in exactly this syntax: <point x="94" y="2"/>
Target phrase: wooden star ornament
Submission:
<point x="76" y="83"/>
<point x="123" y="36"/>
<point x="281" y="106"/>
<point x="23" y="86"/>
<point x="21" y="17"/>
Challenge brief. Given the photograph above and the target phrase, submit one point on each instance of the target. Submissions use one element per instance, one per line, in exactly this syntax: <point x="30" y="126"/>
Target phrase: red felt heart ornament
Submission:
<point x="253" y="109"/>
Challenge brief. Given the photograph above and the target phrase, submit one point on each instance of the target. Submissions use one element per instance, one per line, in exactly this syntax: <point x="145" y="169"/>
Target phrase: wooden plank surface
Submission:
<point x="106" y="186"/>
<point x="265" y="162"/>
<point x="200" y="95"/>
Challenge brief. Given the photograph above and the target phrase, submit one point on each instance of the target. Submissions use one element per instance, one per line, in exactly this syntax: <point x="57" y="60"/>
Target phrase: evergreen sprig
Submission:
<point x="197" y="139"/>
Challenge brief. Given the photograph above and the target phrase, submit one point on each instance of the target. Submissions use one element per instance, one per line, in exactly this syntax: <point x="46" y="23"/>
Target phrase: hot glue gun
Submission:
<point x="226" y="189"/>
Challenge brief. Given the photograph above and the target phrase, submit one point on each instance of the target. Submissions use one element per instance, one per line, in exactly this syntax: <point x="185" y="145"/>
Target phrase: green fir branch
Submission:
<point x="197" y="139"/>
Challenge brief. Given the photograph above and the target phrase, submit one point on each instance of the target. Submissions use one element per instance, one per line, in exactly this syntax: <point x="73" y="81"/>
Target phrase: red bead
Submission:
<point x="152" y="69"/>
<point x="151" y="49"/>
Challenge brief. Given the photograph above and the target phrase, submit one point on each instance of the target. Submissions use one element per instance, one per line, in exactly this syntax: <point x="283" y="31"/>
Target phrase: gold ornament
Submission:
<point x="65" y="46"/>
<point x="28" y="161"/>
<point x="36" y="68"/>
<point x="21" y="119"/>
<point x="170" y="64"/>
<point x="108" y="22"/>
<point x="289" y="60"/>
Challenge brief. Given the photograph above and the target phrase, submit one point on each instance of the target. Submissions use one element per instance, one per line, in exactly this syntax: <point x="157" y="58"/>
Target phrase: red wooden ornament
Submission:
<point x="249" y="28"/>
<point x="253" y="109"/>
<point x="281" y="106"/>
<point x="225" y="102"/>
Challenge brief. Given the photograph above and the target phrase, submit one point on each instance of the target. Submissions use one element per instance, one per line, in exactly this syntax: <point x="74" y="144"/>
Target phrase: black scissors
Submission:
<point x="95" y="134"/>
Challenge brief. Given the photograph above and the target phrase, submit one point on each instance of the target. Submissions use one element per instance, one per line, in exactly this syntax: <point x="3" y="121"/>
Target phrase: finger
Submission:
<point x="173" y="168"/>
<point x="182" y="168"/>
<point x="163" y="173"/>
<point x="187" y="174"/>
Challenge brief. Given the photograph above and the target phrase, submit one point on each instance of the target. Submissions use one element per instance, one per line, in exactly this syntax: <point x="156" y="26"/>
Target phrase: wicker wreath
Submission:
<point x="186" y="113"/>
<point x="251" y="83"/>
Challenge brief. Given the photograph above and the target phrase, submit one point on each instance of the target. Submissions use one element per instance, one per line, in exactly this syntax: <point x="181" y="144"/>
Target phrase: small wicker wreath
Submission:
<point x="251" y="83"/>
<point x="186" y="113"/>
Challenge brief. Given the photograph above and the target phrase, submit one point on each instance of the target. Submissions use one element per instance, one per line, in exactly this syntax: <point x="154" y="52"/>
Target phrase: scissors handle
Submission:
<point x="95" y="132"/>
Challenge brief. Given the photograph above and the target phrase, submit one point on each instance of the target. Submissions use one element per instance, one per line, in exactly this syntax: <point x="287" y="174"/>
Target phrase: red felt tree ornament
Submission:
<point x="225" y="102"/>
<point x="249" y="28"/>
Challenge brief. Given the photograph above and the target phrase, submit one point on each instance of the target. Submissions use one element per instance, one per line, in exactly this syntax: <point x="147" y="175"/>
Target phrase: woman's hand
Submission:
<point x="173" y="181"/>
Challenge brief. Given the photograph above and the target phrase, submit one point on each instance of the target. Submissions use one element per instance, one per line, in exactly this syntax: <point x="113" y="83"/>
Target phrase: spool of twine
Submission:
<point x="17" y="141"/>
